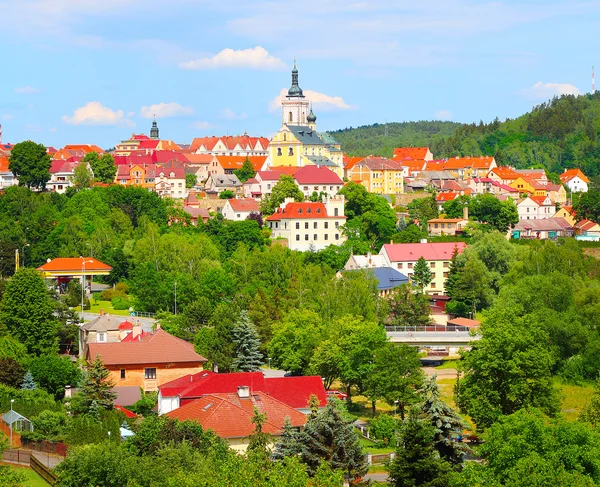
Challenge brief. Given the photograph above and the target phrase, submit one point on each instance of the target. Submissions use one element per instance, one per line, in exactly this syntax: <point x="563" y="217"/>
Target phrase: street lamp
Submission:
<point x="23" y="251"/>
<point x="395" y="422"/>
<point x="83" y="263"/>
<point x="11" y="421"/>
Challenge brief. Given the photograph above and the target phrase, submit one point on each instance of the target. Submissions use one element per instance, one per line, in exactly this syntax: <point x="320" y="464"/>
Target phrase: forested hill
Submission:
<point x="563" y="133"/>
<point x="371" y="139"/>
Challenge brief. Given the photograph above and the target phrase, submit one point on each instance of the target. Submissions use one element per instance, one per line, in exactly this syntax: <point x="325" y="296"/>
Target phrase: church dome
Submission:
<point x="311" y="118"/>
<point x="295" y="90"/>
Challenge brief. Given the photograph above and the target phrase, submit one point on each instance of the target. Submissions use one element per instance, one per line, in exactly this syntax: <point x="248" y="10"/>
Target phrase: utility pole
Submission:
<point x="175" y="297"/>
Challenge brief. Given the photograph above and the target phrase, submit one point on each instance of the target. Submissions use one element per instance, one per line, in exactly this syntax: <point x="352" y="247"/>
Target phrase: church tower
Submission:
<point x="154" y="130"/>
<point x="312" y="120"/>
<point x="294" y="108"/>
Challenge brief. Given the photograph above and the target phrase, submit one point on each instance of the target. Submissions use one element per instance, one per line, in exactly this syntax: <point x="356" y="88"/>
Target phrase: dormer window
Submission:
<point x="318" y="210"/>
<point x="299" y="210"/>
<point x="308" y="210"/>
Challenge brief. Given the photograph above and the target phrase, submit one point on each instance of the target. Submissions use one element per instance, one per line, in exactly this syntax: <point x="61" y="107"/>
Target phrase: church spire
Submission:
<point x="154" y="129"/>
<point x="295" y="90"/>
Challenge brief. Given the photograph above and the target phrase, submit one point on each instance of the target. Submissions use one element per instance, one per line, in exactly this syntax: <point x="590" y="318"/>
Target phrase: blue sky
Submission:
<point x="95" y="71"/>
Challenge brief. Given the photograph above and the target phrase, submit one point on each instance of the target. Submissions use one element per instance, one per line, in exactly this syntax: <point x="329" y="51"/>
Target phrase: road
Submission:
<point x="147" y="324"/>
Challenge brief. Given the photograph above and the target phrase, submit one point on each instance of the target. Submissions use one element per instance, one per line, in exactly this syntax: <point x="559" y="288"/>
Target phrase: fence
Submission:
<point x="380" y="458"/>
<point x="58" y="448"/>
<point x="17" y="456"/>
<point x="426" y="328"/>
<point x="144" y="314"/>
<point x="42" y="470"/>
<point x="16" y="437"/>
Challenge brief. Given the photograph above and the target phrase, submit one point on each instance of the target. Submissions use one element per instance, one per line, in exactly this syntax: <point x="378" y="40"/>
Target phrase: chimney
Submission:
<point x="369" y="257"/>
<point x="243" y="392"/>
<point x="101" y="311"/>
<point x="68" y="392"/>
<point x="466" y="213"/>
<point x="137" y="330"/>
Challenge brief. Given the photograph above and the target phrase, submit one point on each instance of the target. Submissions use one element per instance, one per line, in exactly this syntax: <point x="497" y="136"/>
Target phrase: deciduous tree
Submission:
<point x="246" y="171"/>
<point x="30" y="163"/>
<point x="407" y="308"/>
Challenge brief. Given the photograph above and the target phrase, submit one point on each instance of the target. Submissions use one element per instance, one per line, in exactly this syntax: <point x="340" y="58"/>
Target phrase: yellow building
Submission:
<point x="378" y="175"/>
<point x="297" y="143"/>
<point x="529" y="186"/>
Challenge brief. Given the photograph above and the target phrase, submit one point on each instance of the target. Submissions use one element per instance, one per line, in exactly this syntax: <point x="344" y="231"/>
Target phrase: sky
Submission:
<point x="96" y="71"/>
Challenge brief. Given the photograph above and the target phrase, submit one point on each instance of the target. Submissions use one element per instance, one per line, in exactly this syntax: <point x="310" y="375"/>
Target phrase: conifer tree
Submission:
<point x="288" y="444"/>
<point x="446" y="421"/>
<point x="94" y="411"/>
<point x="248" y="357"/>
<point x="258" y="440"/>
<point x="329" y="437"/>
<point x="96" y="387"/>
<point x="28" y="383"/>
<point x="313" y="405"/>
<point x="422" y="275"/>
<point x="456" y="265"/>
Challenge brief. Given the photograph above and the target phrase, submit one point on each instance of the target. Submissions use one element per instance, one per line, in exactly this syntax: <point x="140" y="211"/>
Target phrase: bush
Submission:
<point x="53" y="373"/>
<point x="49" y="425"/>
<point x="146" y="404"/>
<point x="119" y="291"/>
<point x="120" y="303"/>
<point x="85" y="428"/>
<point x="11" y="372"/>
<point x="383" y="427"/>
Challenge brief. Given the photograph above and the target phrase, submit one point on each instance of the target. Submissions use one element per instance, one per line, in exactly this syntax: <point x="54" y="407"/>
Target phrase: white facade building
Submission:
<point x="536" y="208"/>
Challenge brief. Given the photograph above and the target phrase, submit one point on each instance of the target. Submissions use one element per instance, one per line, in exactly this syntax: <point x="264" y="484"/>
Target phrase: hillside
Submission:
<point x="559" y="134"/>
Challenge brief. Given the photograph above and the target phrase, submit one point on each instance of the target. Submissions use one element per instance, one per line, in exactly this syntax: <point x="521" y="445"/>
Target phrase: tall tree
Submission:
<point x="258" y="441"/>
<point x="286" y="187"/>
<point x="190" y="180"/>
<point x="30" y="163"/>
<point x="500" y="215"/>
<point x="246" y="171"/>
<point x="422" y="275"/>
<point x="27" y="312"/>
<point x="97" y="388"/>
<point x="329" y="437"/>
<point x="422" y="210"/>
<point x="406" y="308"/>
<point x="103" y="167"/>
<point x="591" y="413"/>
<point x="248" y="357"/>
<point x="396" y="377"/>
<point x="288" y="444"/>
<point x="28" y="383"/>
<point x="82" y="176"/>
<point x="11" y="372"/>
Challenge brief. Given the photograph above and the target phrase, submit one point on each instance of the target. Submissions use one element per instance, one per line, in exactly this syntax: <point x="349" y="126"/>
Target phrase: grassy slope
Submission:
<point x="33" y="479"/>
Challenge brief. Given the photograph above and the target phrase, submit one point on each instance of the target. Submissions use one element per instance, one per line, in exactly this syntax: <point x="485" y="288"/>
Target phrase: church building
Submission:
<point x="297" y="143"/>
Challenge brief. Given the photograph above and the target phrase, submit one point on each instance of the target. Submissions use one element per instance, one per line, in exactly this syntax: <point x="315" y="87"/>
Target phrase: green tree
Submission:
<point x="472" y="287"/>
<point x="288" y="444"/>
<point x="28" y="383"/>
<point x="30" y="163"/>
<point x="248" y="357"/>
<point x="422" y="275"/>
<point x="27" y="312"/>
<point x="11" y="372"/>
<point x="329" y="437"/>
<point x="96" y="387"/>
<point x="588" y="206"/>
<point x="422" y="210"/>
<point x="103" y="167"/>
<point x="508" y="369"/>
<point x="455" y="208"/>
<point x="190" y="180"/>
<point x="245" y="172"/>
<point x="500" y="215"/>
<point x="82" y="176"/>
<point x="416" y="462"/>
<point x="258" y="441"/>
<point x="286" y="187"/>
<point x="226" y="195"/>
<point x="396" y="377"/>
<point x="591" y="413"/>
<point x="406" y="308"/>
<point x="53" y="373"/>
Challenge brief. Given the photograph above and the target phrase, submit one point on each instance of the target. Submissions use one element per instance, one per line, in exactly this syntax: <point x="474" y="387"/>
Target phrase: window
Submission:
<point x="315" y="225"/>
<point x="336" y="212"/>
<point x="326" y="236"/>
<point x="279" y="151"/>
<point x="122" y="373"/>
<point x="238" y="215"/>
<point x="410" y="265"/>
<point x="445" y="274"/>
<point x="337" y="224"/>
<point x="297" y="225"/>
<point x="101" y="337"/>
<point x="290" y="117"/>
<point x="305" y="188"/>
<point x="432" y="265"/>
<point x="297" y="237"/>
<point x="400" y="265"/>
<point x="326" y="224"/>
<point x="433" y="285"/>
<point x="291" y="151"/>
<point x="446" y="265"/>
<point x="435" y="225"/>
<point x="284" y="136"/>
<point x="306" y="236"/>
<point x="150" y="373"/>
<point x="337" y="236"/>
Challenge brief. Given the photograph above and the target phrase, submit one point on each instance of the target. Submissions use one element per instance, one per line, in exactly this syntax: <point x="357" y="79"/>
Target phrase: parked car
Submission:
<point x="340" y="395"/>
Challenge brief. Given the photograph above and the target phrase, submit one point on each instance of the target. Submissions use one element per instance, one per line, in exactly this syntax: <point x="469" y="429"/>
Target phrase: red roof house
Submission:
<point x="239" y="209"/>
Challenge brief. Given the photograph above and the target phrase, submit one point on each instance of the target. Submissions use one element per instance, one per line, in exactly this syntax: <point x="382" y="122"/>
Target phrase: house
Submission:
<point x="412" y="153"/>
<point x="464" y="167"/>
<point x="148" y="361"/>
<point x="170" y="180"/>
<point x="442" y="198"/>
<point x="263" y="182"/>
<point x="437" y="227"/>
<point x="7" y="178"/>
<point x="529" y="185"/>
<point x="239" y="145"/>
<point x="437" y="255"/>
<point x="231" y="163"/>
<point x="105" y="329"/>
<point x="575" y="180"/>
<point x="492" y="186"/>
<point x="229" y="415"/>
<point x="567" y="213"/>
<point x="503" y="174"/>
<point x="316" y="179"/>
<point x="63" y="269"/>
<point x="365" y="262"/>
<point x="197" y="214"/>
<point x="293" y="391"/>
<point x="140" y="174"/>
<point x="588" y="229"/>
<point x="217" y="183"/>
<point x="547" y="228"/>
<point x="199" y="165"/>
<point x="62" y="172"/>
<point x="309" y="225"/>
<point x="536" y="208"/>
<point x="379" y="175"/>
<point x="556" y="193"/>
<point x="387" y="278"/>
<point x="349" y="163"/>
<point x="239" y="209"/>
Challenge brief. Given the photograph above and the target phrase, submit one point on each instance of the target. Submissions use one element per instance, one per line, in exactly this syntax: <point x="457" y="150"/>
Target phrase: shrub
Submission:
<point x="120" y="303"/>
<point x="119" y="291"/>
<point x="383" y="427"/>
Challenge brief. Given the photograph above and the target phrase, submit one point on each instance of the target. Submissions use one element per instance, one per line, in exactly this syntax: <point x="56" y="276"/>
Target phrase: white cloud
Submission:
<point x="319" y="100"/>
<point x="229" y="114"/>
<point x="201" y="125"/>
<point x="94" y="113"/>
<point x="544" y="91"/>
<point x="7" y="116"/>
<point x="443" y="115"/>
<point x="27" y="90"/>
<point x="166" y="110"/>
<point x="254" y="58"/>
<point x="53" y="129"/>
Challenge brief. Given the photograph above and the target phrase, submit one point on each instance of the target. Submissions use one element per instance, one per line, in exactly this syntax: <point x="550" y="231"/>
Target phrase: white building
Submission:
<point x="307" y="225"/>
<point x="239" y="209"/>
<point x="170" y="182"/>
<point x="536" y="208"/>
<point x="61" y="175"/>
<point x="576" y="181"/>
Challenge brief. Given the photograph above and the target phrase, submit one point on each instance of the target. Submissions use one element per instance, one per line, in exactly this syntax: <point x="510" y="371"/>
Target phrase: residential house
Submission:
<point x="442" y="198"/>
<point x="240" y="145"/>
<point x="231" y="163"/>
<point x="403" y="257"/>
<point x="217" y="183"/>
<point x="149" y="360"/>
<point x="170" y="180"/>
<point x="536" y="174"/>
<point x="349" y="163"/>
<point x="369" y="261"/>
<point x="105" y="329"/>
<point x="308" y="225"/>
<point x="263" y="182"/>
<point x="412" y="153"/>
<point x="575" y="180"/>
<point x="412" y="167"/>
<point x="143" y="175"/>
<point x="388" y="278"/>
<point x="528" y="185"/>
<point x="315" y="179"/>
<point x="438" y="227"/>
<point x="379" y="175"/>
<point x="199" y="165"/>
<point x="557" y="193"/>
<point x="7" y="178"/>
<point x="464" y="167"/>
<point x="567" y="213"/>
<point x="547" y="228"/>
<point x="197" y="214"/>
<point x="492" y="186"/>
<point x="293" y="391"/>
<point x="61" y="174"/>
<point x="536" y="208"/>
<point x="239" y="209"/>
<point x="230" y="416"/>
<point x="503" y="174"/>
<point x="587" y="230"/>
<point x="449" y="186"/>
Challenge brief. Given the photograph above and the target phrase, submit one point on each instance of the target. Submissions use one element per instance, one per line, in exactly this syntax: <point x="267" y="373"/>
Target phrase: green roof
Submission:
<point x="306" y="135"/>
<point x="328" y="138"/>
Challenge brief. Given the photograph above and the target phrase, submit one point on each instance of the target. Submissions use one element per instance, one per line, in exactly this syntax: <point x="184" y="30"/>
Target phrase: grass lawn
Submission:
<point x="96" y="306"/>
<point x="33" y="479"/>
<point x="447" y="364"/>
<point x="369" y="446"/>
<point x="574" y="400"/>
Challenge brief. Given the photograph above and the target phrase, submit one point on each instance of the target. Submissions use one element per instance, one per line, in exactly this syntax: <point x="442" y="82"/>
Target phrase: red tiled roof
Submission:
<point x="538" y="199"/>
<point x="87" y="148"/>
<point x="243" y="204"/>
<point x="573" y="173"/>
<point x="316" y="175"/>
<point x="74" y="264"/>
<point x="155" y="348"/>
<point x="410" y="152"/>
<point x="164" y="156"/>
<point x="440" y="197"/>
<point x="301" y="210"/>
<point x="296" y="391"/>
<point x="4" y="163"/>
<point x="244" y="141"/>
<point x="126" y="412"/>
<point x="137" y="338"/>
<point x="585" y="225"/>
<point x="236" y="162"/>
<point x="380" y="163"/>
<point x="409" y="252"/>
<point x="465" y="322"/>
<point x="207" y="382"/>
<point x="350" y="162"/>
<point x="274" y="173"/>
<point x="197" y="212"/>
<point x="504" y="172"/>
<point x="148" y="144"/>
<point x="200" y="158"/>
<point x="231" y="417"/>
<point x="126" y="325"/>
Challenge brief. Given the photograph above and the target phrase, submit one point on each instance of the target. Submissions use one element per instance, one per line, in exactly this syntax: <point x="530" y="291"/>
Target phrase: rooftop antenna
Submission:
<point x="593" y="83"/>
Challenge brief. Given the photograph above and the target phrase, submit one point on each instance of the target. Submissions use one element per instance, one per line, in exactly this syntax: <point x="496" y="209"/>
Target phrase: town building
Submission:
<point x="536" y="208"/>
<point x="438" y="227"/>
<point x="105" y="329"/>
<point x="239" y="209"/>
<point x="62" y="172"/>
<point x="387" y="278"/>
<point x="541" y="229"/>
<point x="170" y="180"/>
<point x="240" y="145"/>
<point x="217" y="183"/>
<point x="567" y="213"/>
<point x="587" y="230"/>
<point x="404" y="256"/>
<point x="412" y="153"/>
<point x="7" y="178"/>
<point x="369" y="261"/>
<point x="379" y="175"/>
<point x="316" y="179"/>
<point x="63" y="269"/>
<point x="307" y="225"/>
<point x="575" y="180"/>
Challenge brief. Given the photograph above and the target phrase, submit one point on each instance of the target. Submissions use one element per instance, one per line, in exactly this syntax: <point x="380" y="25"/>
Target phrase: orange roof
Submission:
<point x="236" y="162"/>
<point x="401" y="153"/>
<point x="4" y="163"/>
<point x="413" y="165"/>
<point x="244" y="141"/>
<point x="84" y="147"/>
<point x="243" y="204"/>
<point x="74" y="264"/>
<point x="230" y="416"/>
<point x="538" y="199"/>
<point x="505" y="172"/>
<point x="434" y="165"/>
<point x="446" y="196"/>
<point x="158" y="347"/>
<point x="199" y="158"/>
<point x="446" y="220"/>
<point x="301" y="210"/>
<point x="350" y="162"/>
<point x="573" y="173"/>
